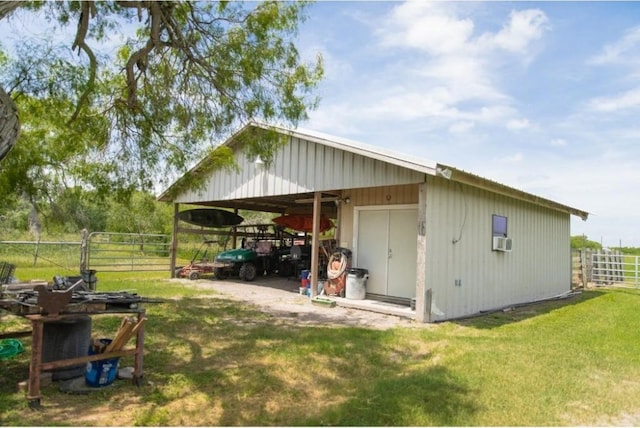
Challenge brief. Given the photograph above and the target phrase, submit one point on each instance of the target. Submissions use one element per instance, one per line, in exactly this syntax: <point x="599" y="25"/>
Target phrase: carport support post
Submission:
<point x="174" y="241"/>
<point x="423" y="295"/>
<point x="315" y="243"/>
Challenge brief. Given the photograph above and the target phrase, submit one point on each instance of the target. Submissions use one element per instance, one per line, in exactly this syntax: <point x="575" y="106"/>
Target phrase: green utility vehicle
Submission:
<point x="266" y="249"/>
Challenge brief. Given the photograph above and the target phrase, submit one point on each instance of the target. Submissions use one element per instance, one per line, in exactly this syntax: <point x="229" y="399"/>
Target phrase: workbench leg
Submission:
<point x="139" y="356"/>
<point x="33" y="392"/>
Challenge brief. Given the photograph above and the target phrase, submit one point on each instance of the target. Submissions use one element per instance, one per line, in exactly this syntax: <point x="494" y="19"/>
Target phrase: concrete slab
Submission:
<point x="282" y="298"/>
<point x="375" y="306"/>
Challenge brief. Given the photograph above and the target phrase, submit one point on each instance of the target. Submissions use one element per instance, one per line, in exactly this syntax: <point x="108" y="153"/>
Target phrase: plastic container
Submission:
<point x="356" y="287"/>
<point x="103" y="372"/>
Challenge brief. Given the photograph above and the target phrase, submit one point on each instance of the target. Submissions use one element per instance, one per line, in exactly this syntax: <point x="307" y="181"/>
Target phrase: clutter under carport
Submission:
<point x="60" y="317"/>
<point x="342" y="280"/>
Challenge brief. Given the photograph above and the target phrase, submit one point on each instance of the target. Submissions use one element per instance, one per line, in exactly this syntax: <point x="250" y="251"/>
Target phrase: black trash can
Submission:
<point x="64" y="339"/>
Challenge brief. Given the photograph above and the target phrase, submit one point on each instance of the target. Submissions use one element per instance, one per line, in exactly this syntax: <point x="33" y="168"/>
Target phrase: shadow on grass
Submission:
<point x="517" y="313"/>
<point x="266" y="370"/>
<point x="430" y="397"/>
<point x="220" y="362"/>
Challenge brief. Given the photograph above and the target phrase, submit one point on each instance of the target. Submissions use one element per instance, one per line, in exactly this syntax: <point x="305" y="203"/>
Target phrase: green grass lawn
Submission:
<point x="212" y="361"/>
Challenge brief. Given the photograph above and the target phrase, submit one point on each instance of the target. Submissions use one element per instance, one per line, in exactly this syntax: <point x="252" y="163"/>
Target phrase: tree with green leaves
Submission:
<point x="581" y="241"/>
<point x="188" y="74"/>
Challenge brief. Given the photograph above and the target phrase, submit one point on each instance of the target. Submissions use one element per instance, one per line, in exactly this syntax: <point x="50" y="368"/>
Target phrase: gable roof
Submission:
<point x="392" y="158"/>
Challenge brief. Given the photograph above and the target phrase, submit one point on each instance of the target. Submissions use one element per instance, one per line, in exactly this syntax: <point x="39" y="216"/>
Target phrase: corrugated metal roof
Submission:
<point x="393" y="158"/>
<point x="373" y="152"/>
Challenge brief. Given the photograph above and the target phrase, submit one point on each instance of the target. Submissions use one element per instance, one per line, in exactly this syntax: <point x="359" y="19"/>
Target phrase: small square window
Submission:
<point x="499" y="225"/>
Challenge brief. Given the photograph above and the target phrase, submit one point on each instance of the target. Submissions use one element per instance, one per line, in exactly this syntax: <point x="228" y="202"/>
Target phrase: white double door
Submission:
<point x="386" y="245"/>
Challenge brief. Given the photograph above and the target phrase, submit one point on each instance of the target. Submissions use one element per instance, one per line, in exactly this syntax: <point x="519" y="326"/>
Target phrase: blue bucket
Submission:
<point x="102" y="372"/>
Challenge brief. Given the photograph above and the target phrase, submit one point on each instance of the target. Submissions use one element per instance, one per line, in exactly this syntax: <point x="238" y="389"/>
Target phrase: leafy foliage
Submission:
<point x="581" y="241"/>
<point x="187" y="76"/>
<point x="74" y="209"/>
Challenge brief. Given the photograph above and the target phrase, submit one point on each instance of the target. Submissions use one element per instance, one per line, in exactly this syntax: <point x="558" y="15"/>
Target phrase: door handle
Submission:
<point x="390" y="253"/>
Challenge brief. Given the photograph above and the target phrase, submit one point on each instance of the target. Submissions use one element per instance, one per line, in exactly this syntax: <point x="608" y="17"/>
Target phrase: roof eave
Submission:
<point x="464" y="177"/>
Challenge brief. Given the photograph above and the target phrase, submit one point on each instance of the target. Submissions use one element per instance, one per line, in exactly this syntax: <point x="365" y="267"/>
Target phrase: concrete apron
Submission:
<point x="375" y="306"/>
<point x="283" y="291"/>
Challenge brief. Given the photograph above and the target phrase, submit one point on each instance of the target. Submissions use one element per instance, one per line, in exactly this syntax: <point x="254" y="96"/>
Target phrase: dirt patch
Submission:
<point x="281" y="298"/>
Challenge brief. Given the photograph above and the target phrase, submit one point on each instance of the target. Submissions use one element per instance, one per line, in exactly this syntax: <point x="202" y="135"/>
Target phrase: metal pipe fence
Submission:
<point x="116" y="252"/>
<point x="605" y="267"/>
<point x="59" y="254"/>
<point x="103" y="251"/>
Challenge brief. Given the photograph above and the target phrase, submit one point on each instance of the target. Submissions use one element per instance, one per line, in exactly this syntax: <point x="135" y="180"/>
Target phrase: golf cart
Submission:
<point x="265" y="249"/>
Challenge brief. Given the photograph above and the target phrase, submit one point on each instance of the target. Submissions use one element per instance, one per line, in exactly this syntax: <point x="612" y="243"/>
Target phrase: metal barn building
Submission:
<point x="457" y="243"/>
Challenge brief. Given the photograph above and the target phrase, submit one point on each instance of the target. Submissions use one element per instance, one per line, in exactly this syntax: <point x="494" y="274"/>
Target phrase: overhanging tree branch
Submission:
<point x="88" y="10"/>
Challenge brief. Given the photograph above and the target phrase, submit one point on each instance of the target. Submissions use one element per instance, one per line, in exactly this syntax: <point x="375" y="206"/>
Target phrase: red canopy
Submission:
<point x="302" y="222"/>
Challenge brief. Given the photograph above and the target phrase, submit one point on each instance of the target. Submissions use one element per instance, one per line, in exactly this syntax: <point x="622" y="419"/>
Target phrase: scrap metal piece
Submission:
<point x="52" y="302"/>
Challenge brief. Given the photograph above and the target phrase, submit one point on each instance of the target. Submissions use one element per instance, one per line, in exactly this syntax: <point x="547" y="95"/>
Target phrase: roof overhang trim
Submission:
<point x="464" y="177"/>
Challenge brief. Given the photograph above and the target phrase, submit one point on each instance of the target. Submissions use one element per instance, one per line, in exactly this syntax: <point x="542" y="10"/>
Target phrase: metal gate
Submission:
<point x="117" y="252"/>
<point x="604" y="267"/>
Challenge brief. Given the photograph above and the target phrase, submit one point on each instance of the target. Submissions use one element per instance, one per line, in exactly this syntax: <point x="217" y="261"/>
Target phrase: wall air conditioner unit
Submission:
<point x="500" y="243"/>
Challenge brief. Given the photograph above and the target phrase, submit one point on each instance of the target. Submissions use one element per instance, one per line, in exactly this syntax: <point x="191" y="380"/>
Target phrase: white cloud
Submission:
<point x="624" y="101"/>
<point x="558" y="142"/>
<point x="620" y="51"/>
<point x="515" y="158"/>
<point x="461" y="127"/>
<point x="518" y="124"/>
<point x="426" y="26"/>
<point x="456" y="72"/>
<point x="523" y="27"/>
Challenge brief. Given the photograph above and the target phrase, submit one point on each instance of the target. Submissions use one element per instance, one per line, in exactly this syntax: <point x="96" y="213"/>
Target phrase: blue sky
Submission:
<point x="541" y="96"/>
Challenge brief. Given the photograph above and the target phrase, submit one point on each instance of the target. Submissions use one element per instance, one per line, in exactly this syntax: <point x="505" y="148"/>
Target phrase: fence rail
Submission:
<point x="63" y="254"/>
<point x="106" y="252"/>
<point x="604" y="267"/>
<point x="116" y="252"/>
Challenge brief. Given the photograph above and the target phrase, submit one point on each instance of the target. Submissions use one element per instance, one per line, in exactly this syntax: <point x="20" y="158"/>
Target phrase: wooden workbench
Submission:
<point x="96" y="304"/>
<point x="36" y="366"/>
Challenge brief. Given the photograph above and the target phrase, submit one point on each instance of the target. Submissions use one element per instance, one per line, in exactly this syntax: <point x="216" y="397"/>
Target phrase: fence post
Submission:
<point x="83" y="249"/>
<point x="173" y="249"/>
<point x="583" y="267"/>
<point x="35" y="252"/>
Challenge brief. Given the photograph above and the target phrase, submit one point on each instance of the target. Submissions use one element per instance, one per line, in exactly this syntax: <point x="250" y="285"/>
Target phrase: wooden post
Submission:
<point x="315" y="242"/>
<point x="234" y="234"/>
<point x="174" y="241"/>
<point x="139" y="357"/>
<point x="423" y="293"/>
<point x="83" y="250"/>
<point x="33" y="391"/>
<point x="583" y="267"/>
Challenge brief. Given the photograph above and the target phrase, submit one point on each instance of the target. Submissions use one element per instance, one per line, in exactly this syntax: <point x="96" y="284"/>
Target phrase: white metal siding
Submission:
<point x="300" y="166"/>
<point x="538" y="266"/>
